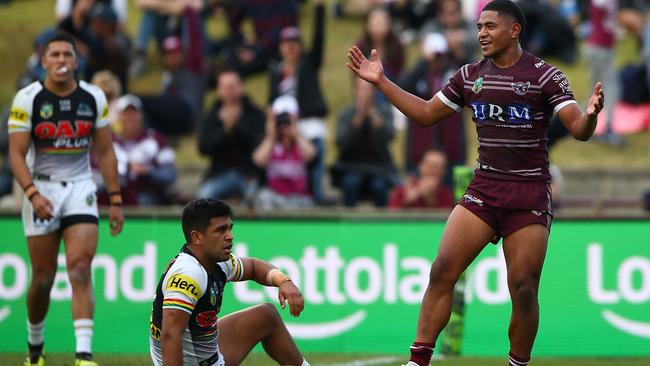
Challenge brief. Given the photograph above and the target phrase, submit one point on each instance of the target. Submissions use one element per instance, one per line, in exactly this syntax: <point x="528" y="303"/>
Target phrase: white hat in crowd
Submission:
<point x="285" y="104"/>
<point x="128" y="100"/>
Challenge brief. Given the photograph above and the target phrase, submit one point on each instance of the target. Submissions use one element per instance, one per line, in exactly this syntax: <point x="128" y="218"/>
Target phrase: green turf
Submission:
<point x="319" y="359"/>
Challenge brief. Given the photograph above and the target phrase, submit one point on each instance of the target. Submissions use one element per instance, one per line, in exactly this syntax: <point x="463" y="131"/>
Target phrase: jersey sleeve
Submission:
<point x="100" y="101"/>
<point x="183" y="286"/>
<point x="233" y="268"/>
<point x="20" y="115"/>
<point x="556" y="88"/>
<point x="452" y="93"/>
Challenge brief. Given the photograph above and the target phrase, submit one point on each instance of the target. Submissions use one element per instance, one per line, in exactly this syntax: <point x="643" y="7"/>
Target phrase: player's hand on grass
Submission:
<point x="42" y="207"/>
<point x="596" y="102"/>
<point x="288" y="292"/>
<point x="115" y="219"/>
<point x="371" y="70"/>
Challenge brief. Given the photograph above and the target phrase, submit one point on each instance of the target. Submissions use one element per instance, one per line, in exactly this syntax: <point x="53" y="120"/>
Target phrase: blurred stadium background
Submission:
<point x="362" y="269"/>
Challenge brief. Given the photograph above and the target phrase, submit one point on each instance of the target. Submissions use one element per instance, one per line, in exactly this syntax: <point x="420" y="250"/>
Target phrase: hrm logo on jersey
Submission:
<point x="513" y="113"/>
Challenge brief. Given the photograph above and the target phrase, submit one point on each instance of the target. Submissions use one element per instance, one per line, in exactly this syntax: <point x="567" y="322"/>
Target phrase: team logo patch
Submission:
<point x="46" y="110"/>
<point x="184" y="285"/>
<point x="213" y="295"/>
<point x="520" y="88"/>
<point x="84" y="110"/>
<point x="207" y="319"/>
<point x="469" y="198"/>
<point x="90" y="199"/>
<point x="478" y="85"/>
<point x="65" y="105"/>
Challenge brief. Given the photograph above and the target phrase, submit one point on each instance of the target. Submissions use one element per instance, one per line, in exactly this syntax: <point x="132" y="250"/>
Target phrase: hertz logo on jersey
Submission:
<point x="185" y="285"/>
<point x="19" y="115"/>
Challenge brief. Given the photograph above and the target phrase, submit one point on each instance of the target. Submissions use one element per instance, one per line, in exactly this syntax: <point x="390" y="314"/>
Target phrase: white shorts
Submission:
<point x="74" y="202"/>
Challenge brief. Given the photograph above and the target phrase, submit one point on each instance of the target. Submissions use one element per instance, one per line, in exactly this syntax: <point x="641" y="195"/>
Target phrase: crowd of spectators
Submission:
<point x="273" y="156"/>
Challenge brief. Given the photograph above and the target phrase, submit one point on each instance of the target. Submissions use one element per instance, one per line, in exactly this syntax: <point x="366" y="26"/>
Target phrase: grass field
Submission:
<point x="319" y="359"/>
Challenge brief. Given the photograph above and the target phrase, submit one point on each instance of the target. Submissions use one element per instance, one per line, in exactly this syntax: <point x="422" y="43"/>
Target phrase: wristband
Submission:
<point x="115" y="203"/>
<point x="31" y="195"/>
<point x="275" y="277"/>
<point x="30" y="191"/>
<point x="25" y="188"/>
<point x="114" y="193"/>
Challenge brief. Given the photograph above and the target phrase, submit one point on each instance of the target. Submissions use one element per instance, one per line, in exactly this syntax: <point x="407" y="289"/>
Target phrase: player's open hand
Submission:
<point x="596" y="102"/>
<point x="42" y="207"/>
<point x="115" y="219"/>
<point x="371" y="70"/>
<point x="288" y="292"/>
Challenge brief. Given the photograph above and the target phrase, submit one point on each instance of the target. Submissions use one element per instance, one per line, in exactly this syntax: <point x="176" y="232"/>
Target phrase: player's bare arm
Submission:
<point x="103" y="145"/>
<point x="266" y="274"/>
<point x="581" y="125"/>
<point x="174" y="323"/>
<point x="19" y="143"/>
<point x="424" y="112"/>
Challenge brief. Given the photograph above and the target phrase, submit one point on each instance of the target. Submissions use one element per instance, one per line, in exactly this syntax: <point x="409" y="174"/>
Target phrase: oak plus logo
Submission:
<point x="632" y="286"/>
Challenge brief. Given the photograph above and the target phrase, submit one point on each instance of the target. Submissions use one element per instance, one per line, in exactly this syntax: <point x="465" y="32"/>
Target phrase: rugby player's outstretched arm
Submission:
<point x="423" y="112"/>
<point x="581" y="125"/>
<point x="174" y="322"/>
<point x="266" y="274"/>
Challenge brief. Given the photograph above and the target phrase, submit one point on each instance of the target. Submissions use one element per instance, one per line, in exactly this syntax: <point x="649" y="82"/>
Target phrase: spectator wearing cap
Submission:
<point x="428" y="75"/>
<point x="297" y="75"/>
<point x="268" y="18"/>
<point x="177" y="109"/>
<point x="105" y="46"/>
<point x="284" y="154"/>
<point x="228" y="135"/>
<point x="145" y="161"/>
<point x="364" y="168"/>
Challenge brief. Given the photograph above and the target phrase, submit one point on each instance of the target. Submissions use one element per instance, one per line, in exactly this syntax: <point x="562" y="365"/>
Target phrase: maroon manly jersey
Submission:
<point x="512" y="110"/>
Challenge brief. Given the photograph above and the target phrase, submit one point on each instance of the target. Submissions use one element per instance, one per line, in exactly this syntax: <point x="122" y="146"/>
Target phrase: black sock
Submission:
<point x="35" y="351"/>
<point x="84" y="356"/>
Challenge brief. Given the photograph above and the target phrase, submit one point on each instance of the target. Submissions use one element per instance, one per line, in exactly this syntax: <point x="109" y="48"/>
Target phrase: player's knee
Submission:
<point x="79" y="272"/>
<point x="42" y="281"/>
<point x="270" y="313"/>
<point x="442" y="275"/>
<point x="524" y="293"/>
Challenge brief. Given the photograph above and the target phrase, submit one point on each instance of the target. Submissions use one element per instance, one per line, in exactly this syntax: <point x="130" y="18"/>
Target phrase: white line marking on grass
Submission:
<point x="367" y="362"/>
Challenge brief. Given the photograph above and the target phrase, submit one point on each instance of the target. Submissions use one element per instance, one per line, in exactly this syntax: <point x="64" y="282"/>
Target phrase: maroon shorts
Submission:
<point x="507" y="206"/>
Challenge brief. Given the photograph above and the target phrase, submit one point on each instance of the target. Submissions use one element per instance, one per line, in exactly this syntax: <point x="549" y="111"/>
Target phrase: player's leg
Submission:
<point x="80" y="247"/>
<point x="524" y="250"/>
<point x="239" y="332"/>
<point x="464" y="237"/>
<point x="43" y="251"/>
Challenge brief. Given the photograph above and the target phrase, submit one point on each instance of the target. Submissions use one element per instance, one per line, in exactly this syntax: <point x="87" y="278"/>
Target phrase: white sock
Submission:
<point x="304" y="363"/>
<point x="35" y="333"/>
<point x="83" y="332"/>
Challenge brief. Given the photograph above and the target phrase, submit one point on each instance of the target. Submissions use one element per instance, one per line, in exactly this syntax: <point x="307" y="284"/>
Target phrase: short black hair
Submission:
<point x="62" y="36"/>
<point x="198" y="213"/>
<point x="508" y="8"/>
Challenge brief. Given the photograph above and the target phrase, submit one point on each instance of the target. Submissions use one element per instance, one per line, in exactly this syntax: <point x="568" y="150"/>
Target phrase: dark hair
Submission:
<point x="61" y="36"/>
<point x="508" y="8"/>
<point x="198" y="213"/>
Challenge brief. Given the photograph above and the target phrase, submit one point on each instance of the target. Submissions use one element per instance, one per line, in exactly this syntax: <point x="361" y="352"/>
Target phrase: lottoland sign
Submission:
<point x="362" y="283"/>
